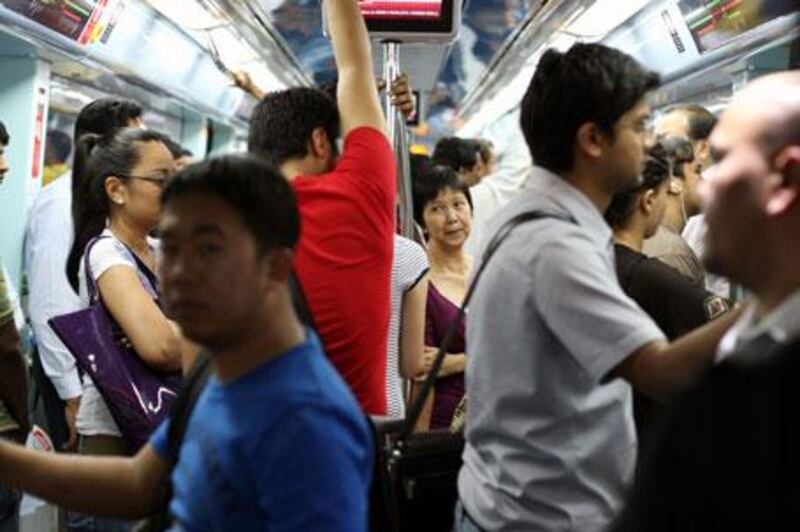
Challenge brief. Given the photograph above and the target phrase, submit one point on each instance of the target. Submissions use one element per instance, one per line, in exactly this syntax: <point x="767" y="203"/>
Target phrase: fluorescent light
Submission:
<point x="188" y="14"/>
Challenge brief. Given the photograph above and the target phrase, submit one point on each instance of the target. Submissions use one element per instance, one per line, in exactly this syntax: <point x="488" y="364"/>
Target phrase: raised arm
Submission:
<point x="357" y="93"/>
<point x="113" y="487"/>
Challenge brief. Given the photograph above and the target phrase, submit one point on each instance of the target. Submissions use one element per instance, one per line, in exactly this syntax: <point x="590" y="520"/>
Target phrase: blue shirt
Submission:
<point x="284" y="447"/>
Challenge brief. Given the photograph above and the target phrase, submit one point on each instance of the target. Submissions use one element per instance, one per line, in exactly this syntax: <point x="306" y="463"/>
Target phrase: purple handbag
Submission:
<point x="138" y="397"/>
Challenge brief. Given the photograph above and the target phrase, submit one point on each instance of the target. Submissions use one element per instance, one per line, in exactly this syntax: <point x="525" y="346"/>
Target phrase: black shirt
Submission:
<point x="729" y="457"/>
<point x="675" y="302"/>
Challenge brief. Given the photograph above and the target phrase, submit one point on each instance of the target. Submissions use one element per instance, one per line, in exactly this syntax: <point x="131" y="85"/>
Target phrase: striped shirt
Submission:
<point x="409" y="265"/>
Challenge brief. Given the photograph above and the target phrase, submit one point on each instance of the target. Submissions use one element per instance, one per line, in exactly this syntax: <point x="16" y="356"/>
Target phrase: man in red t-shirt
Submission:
<point x="344" y="257"/>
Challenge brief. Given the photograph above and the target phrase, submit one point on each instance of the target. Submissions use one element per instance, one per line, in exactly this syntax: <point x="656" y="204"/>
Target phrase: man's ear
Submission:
<point x="675" y="186"/>
<point x="647" y="200"/>
<point x="786" y="195"/>
<point x="320" y="145"/>
<point x="590" y="140"/>
<point x="281" y="262"/>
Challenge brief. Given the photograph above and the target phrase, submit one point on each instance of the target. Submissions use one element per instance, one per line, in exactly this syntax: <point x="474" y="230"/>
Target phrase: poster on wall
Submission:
<point x="83" y="21"/>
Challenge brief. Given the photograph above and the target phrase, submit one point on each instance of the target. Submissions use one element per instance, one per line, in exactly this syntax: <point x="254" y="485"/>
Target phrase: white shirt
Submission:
<point x="550" y="440"/>
<point x="94" y="418"/>
<point x="48" y="239"/>
<point x="695" y="235"/>
<point x="782" y="324"/>
<point x="507" y="181"/>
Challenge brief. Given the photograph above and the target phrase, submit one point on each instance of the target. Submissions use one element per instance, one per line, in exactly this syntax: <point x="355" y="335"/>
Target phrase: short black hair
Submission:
<point x="105" y="115"/>
<point x="432" y="180"/>
<point x="253" y="188"/>
<point x="678" y="151"/>
<point x="61" y="144"/>
<point x="588" y="83"/>
<point x="701" y="120"/>
<point x="176" y="150"/>
<point x="282" y="123"/>
<point x="457" y="153"/>
<point x="656" y="172"/>
<point x="5" y="138"/>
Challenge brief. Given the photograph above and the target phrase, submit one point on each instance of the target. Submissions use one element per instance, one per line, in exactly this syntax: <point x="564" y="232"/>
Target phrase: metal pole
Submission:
<point x="391" y="69"/>
<point x="396" y="131"/>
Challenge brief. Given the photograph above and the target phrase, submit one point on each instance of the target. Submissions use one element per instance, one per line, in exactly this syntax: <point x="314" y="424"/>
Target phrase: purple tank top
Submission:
<point x="449" y="390"/>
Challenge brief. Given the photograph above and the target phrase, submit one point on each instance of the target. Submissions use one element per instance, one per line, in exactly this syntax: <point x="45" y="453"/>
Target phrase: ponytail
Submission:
<point x="96" y="158"/>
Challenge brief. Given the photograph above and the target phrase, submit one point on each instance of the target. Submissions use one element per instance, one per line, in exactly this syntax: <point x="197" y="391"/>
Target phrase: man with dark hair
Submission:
<point x="14" y="423"/>
<point x="676" y="303"/>
<point x="347" y="203"/>
<point x="48" y="239"/>
<point x="683" y="201"/>
<point x="695" y="123"/>
<point x="302" y="463"/>
<point x="550" y="441"/>
<point x="181" y="155"/>
<point x="728" y="459"/>
<point x="57" y="150"/>
<point x="462" y="155"/>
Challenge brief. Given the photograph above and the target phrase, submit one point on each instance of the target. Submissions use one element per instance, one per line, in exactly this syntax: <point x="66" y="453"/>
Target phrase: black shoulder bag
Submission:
<point x="415" y="482"/>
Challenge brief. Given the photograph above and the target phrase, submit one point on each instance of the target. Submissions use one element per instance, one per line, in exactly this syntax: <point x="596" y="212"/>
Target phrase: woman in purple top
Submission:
<point x="443" y="207"/>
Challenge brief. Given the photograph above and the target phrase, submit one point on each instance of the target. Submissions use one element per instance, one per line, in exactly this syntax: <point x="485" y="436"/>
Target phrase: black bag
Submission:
<point x="415" y="483"/>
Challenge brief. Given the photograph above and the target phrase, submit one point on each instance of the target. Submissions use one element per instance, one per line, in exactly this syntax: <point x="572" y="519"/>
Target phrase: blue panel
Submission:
<point x="17" y="97"/>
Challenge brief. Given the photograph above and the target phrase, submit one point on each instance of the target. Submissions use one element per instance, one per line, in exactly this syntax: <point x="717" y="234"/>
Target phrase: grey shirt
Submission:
<point x="670" y="248"/>
<point x="550" y="440"/>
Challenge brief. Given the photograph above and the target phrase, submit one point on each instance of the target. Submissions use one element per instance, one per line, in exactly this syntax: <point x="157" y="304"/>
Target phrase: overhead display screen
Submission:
<point x="410" y="20"/>
<point x="715" y="22"/>
<point x="401" y="9"/>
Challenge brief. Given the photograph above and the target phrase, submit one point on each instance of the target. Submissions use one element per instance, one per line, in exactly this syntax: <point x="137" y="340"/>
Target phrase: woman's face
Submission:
<point x="138" y="197"/>
<point x="448" y="219"/>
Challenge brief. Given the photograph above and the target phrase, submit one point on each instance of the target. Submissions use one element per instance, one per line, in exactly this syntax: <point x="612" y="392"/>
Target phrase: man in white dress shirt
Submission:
<point x="48" y="239"/>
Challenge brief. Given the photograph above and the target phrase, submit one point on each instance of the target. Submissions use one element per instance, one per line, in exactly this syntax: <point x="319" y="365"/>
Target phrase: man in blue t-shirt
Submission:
<point x="276" y="440"/>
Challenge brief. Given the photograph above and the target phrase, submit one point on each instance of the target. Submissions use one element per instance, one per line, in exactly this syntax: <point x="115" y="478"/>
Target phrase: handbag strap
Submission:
<point x="427" y="386"/>
<point x="91" y="284"/>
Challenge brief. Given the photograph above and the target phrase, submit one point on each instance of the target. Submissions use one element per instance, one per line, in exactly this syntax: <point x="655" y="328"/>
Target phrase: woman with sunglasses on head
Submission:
<point x="118" y="206"/>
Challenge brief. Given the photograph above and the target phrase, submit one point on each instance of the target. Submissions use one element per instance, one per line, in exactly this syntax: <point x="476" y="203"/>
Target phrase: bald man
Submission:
<point x="729" y="457"/>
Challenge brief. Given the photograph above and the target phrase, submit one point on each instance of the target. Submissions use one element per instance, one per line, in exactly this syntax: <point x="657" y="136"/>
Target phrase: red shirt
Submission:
<point x="344" y="260"/>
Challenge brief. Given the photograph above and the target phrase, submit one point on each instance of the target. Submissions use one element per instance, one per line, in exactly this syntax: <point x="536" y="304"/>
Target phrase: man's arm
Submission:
<point x="659" y="368"/>
<point x="107" y="486"/>
<point x="357" y="94"/>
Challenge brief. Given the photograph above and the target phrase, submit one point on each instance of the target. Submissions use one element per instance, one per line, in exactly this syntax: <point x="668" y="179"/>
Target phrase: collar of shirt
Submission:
<point x="782" y="324"/>
<point x="569" y="199"/>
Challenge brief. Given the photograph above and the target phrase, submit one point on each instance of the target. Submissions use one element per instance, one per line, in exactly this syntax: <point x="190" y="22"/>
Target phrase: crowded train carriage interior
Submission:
<point x="399" y="265"/>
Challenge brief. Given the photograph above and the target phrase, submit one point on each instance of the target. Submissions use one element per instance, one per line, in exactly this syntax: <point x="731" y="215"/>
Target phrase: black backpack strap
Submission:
<point x="300" y="302"/>
<point x="193" y="385"/>
<point x="505" y="230"/>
